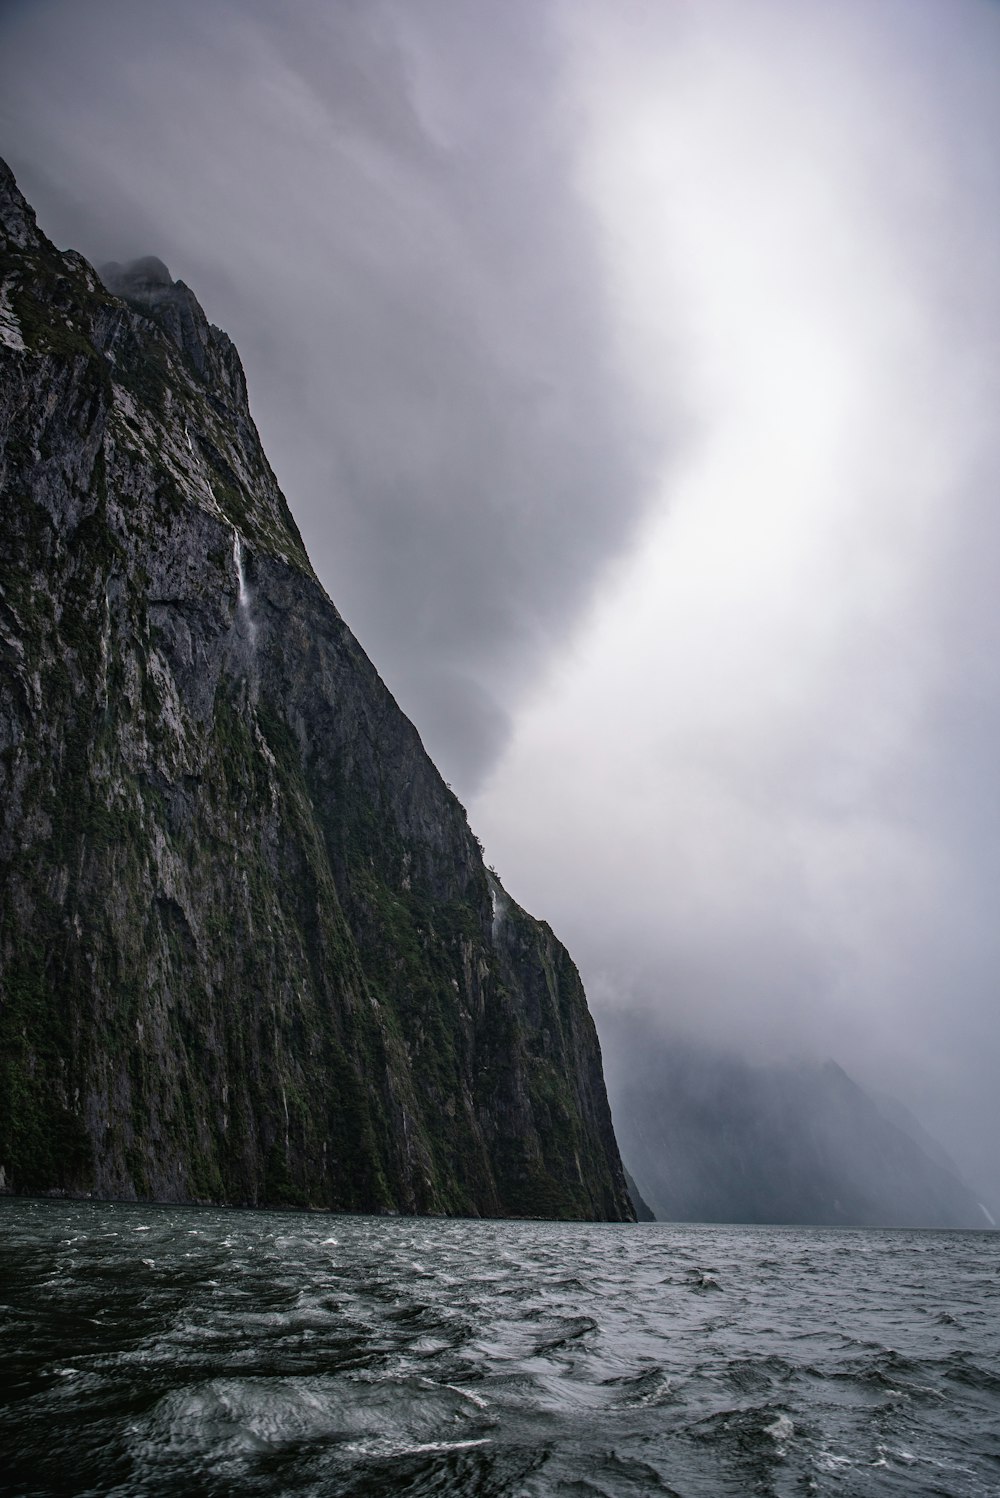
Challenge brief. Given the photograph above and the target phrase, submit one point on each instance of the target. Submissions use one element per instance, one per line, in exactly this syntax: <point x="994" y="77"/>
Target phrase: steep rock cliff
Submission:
<point x="248" y="948"/>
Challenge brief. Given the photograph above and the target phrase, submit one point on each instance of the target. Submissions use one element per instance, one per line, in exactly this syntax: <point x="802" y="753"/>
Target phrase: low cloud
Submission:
<point x="757" y="796"/>
<point x="378" y="205"/>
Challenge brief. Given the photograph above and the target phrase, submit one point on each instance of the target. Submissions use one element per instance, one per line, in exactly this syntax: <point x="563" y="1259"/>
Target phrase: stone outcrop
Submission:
<point x="249" y="951"/>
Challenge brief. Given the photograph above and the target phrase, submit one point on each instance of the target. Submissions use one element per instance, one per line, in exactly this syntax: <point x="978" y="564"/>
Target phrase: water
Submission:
<point x="167" y="1350"/>
<point x="242" y="593"/>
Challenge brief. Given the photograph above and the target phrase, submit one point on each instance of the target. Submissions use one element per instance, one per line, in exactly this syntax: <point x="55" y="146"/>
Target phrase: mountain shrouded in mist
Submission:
<point x="716" y="1137"/>
<point x="249" y="950"/>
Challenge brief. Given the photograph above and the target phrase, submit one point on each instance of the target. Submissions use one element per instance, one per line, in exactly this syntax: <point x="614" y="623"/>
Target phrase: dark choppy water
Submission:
<point x="177" y="1351"/>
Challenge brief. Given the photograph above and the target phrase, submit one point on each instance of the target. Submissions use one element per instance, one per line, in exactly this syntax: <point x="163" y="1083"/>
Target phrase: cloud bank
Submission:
<point x="756" y="793"/>
<point x="379" y="207"/>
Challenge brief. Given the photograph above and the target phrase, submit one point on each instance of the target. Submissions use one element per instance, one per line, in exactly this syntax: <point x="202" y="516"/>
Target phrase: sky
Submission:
<point x="632" y="372"/>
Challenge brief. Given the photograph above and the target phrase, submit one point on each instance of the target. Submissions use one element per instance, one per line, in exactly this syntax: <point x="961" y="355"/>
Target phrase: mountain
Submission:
<point x="249" y="951"/>
<point x="643" y="1211"/>
<point x="711" y="1137"/>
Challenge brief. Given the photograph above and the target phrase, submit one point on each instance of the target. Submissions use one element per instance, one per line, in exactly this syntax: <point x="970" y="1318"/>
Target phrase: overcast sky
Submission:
<point x="632" y="370"/>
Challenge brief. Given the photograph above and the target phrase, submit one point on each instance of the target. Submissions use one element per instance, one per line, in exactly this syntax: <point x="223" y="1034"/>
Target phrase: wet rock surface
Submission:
<point x="248" y="948"/>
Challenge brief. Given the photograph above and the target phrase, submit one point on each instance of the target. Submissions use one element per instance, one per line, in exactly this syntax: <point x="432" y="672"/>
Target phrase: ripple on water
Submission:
<point x="265" y="1353"/>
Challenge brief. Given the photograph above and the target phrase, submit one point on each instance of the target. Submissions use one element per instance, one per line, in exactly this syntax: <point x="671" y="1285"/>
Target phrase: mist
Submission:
<point x="753" y="794"/>
<point x="631" y="372"/>
<point x="380" y="211"/>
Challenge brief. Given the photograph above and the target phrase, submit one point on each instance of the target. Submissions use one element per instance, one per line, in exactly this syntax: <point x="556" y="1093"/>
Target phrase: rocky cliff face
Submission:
<point x="248" y="948"/>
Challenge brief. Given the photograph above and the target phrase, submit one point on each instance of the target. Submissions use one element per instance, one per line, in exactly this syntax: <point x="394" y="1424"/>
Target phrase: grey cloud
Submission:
<point x="785" y="834"/>
<point x="376" y="202"/>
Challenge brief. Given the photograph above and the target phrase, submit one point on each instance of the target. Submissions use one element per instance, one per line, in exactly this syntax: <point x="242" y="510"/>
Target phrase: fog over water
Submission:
<point x="632" y="373"/>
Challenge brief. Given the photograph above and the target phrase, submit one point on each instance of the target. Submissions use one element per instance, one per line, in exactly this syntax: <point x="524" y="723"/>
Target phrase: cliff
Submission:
<point x="248" y="948"/>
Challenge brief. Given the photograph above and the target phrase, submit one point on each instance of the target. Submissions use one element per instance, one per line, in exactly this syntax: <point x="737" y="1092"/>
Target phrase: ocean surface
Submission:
<point x="163" y="1350"/>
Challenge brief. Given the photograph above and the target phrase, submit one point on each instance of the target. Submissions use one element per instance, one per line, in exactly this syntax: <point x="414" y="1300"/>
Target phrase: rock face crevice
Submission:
<point x="248" y="948"/>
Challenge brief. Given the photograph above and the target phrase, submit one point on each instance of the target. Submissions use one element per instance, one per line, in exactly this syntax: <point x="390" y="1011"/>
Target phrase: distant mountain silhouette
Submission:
<point x="714" y="1138"/>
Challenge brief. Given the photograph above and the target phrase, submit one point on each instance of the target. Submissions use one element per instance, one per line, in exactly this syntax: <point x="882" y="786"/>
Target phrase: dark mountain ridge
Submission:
<point x="711" y="1137"/>
<point x="717" y="1137"/>
<point x="249" y="951"/>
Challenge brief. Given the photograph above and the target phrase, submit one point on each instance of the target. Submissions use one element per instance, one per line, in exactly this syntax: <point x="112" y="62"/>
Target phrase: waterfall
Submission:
<point x="499" y="906"/>
<point x="242" y="591"/>
<point x="242" y="595"/>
